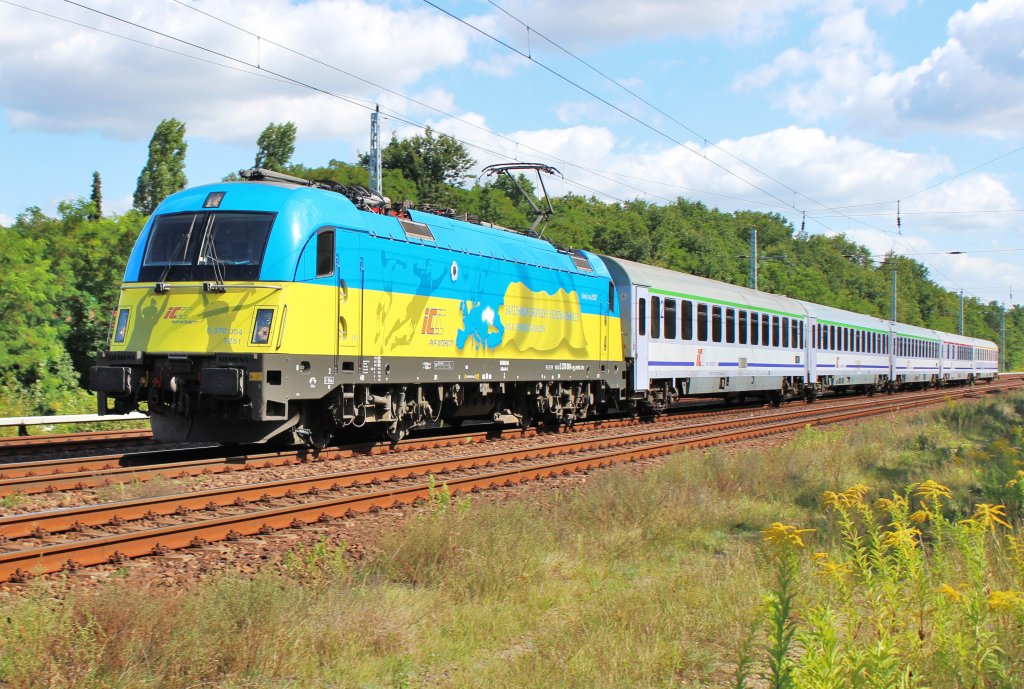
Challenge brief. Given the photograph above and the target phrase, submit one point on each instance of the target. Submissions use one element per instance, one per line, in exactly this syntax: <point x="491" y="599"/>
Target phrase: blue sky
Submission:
<point x="833" y="108"/>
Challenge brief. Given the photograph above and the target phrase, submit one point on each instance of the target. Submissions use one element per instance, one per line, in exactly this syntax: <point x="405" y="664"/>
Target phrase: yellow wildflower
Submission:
<point x="851" y="497"/>
<point x="930" y="490"/>
<point x="783" y="536"/>
<point x="901" y="538"/>
<point x="897" y="503"/>
<point x="826" y="567"/>
<point x="1018" y="478"/>
<point x="1005" y="600"/>
<point x="951" y="593"/>
<point x="920" y="517"/>
<point x="990" y="515"/>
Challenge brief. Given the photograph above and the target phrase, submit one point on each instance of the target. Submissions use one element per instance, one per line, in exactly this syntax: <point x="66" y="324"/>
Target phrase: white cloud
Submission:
<point x="6" y="220"/>
<point x="600" y="22"/>
<point x="973" y="83"/>
<point x="123" y="89"/>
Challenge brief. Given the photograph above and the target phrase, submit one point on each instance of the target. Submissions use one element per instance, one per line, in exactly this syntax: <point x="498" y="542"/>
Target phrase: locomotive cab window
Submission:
<point x="218" y="245"/>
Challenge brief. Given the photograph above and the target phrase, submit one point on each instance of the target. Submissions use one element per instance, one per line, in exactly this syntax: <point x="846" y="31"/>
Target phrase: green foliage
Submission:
<point x="276" y="146"/>
<point x="96" y="197"/>
<point x="164" y="173"/>
<point x="434" y="163"/>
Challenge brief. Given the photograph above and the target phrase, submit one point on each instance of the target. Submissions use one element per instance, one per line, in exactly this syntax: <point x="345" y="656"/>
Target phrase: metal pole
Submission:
<point x="1002" y="339"/>
<point x="376" y="183"/>
<point x="961" y="330"/>
<point x="894" y="296"/>
<point x="753" y="258"/>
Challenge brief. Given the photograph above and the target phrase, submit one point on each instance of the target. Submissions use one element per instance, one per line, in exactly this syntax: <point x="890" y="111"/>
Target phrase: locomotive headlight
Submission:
<point x="121" y="329"/>
<point x="261" y="328"/>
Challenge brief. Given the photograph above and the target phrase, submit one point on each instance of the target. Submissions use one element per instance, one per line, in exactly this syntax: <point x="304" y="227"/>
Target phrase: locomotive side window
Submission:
<point x="325" y="253"/>
<point x="670" y="319"/>
<point x="655" y="316"/>
<point x="743" y="327"/>
<point x="687" y="320"/>
<point x="716" y="323"/>
<point x="730" y="326"/>
<point x="702" y="322"/>
<point x="641" y="316"/>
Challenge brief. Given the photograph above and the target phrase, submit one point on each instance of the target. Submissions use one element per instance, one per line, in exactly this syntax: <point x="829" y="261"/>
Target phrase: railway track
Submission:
<point x="71" y="538"/>
<point x="17" y="445"/>
<point x="80" y="473"/>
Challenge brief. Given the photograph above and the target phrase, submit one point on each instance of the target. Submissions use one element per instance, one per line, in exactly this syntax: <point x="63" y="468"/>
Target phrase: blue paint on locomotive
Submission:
<point x="460" y="261"/>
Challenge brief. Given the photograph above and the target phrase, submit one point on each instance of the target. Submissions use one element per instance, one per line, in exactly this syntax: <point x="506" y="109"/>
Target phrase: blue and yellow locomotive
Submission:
<point x="274" y="305"/>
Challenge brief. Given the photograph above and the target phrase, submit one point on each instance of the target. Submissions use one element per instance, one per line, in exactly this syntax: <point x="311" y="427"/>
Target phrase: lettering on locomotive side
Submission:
<point x="433" y="321"/>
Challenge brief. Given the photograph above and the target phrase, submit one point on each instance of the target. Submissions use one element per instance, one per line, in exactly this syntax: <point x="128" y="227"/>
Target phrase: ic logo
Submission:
<point x="176" y="312"/>
<point x="433" y="321"/>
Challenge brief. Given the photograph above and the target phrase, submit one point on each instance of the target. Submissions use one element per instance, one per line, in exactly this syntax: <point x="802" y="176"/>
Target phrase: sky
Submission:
<point x="899" y="123"/>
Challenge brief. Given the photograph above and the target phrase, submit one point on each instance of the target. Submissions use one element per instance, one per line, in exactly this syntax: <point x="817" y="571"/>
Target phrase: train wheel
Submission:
<point x="316" y="428"/>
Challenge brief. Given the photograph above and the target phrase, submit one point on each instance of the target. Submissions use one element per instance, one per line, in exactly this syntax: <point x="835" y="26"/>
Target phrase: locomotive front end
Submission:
<point x="199" y="324"/>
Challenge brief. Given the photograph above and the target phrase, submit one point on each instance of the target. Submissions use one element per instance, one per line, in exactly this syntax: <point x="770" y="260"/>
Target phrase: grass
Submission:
<point x="660" y="579"/>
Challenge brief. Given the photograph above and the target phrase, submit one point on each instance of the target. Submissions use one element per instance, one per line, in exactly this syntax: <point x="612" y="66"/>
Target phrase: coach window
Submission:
<point x="655" y="316"/>
<point x="765" y="330"/>
<point x="641" y="316"/>
<point x="775" y="331"/>
<point x="702" y="322"/>
<point x="670" y="319"/>
<point x="743" y="327"/>
<point x="687" y="320"/>
<point x="716" y="323"/>
<point x="798" y="333"/>
<point x="755" y="328"/>
<point x="785" y="332"/>
<point x="325" y="253"/>
<point x="730" y="326"/>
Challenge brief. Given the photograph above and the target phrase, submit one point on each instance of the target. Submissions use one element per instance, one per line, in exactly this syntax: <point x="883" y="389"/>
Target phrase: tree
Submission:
<point x="276" y="146"/>
<point x="96" y="198"/>
<point x="164" y="173"/>
<point x="430" y="162"/>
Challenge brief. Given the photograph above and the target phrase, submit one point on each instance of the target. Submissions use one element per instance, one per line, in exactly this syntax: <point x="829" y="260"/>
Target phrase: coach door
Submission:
<point x="811" y="353"/>
<point x="640" y="326"/>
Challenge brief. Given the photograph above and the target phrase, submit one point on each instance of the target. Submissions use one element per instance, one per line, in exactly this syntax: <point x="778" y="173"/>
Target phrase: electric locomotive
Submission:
<point x="280" y="308"/>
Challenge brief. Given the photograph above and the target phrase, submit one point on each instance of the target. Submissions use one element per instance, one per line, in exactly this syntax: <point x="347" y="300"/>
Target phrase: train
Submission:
<point x="277" y="308"/>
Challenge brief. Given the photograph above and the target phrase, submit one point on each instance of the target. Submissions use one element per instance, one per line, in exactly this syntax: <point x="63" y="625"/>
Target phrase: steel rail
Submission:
<point x="20" y="564"/>
<point x="100" y="471"/>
